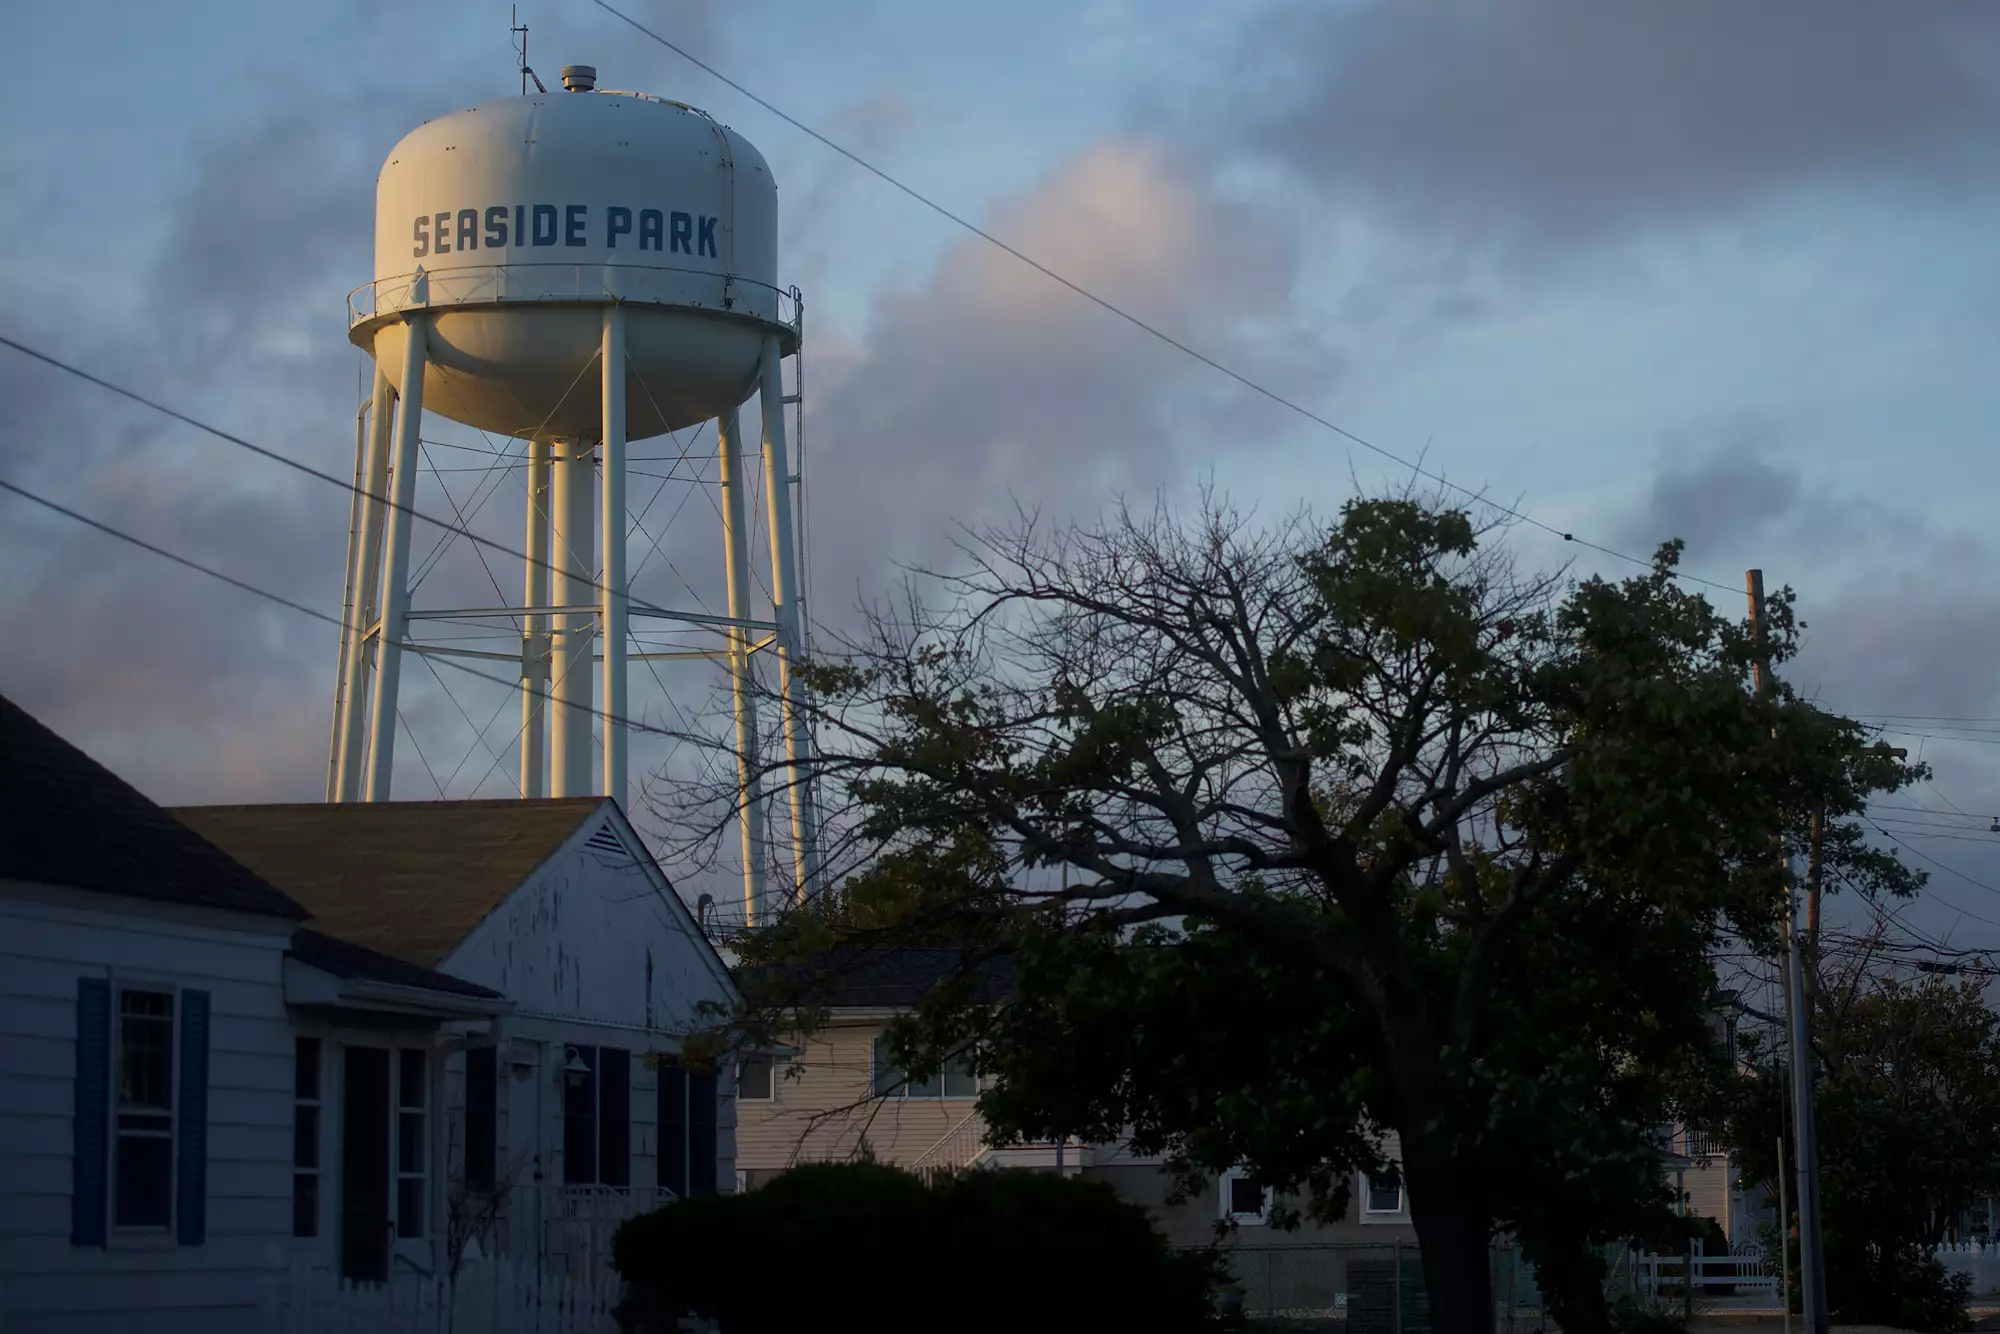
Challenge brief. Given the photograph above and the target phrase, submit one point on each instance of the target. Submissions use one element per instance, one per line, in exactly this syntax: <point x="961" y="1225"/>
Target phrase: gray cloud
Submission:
<point x="1558" y="121"/>
<point x="194" y="689"/>
<point x="989" y="382"/>
<point x="1724" y="494"/>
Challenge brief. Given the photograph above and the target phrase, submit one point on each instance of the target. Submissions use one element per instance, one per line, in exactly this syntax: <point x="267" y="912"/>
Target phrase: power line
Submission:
<point x="110" y="530"/>
<point x="1127" y="316"/>
<point x="1976" y="884"/>
<point x="294" y="464"/>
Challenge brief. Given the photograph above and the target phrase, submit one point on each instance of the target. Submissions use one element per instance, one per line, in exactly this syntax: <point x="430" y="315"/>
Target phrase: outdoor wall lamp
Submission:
<point x="574" y="1068"/>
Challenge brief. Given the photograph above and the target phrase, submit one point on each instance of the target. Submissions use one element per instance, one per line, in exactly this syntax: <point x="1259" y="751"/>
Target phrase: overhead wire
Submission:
<point x="279" y="599"/>
<point x="1152" y="330"/>
<point x="306" y="469"/>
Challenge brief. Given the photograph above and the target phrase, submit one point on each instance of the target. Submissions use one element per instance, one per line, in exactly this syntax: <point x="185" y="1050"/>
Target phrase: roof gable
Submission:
<point x="72" y="822"/>
<point x="409" y="879"/>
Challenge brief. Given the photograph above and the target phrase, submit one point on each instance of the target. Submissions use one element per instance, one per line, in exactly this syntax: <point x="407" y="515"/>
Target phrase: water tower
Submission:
<point x="577" y="270"/>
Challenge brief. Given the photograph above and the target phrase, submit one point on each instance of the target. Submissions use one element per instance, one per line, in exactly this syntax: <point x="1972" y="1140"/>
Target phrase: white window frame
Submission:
<point x="1370" y="1214"/>
<point x="877" y="1058"/>
<point x="143" y="1233"/>
<point x="771" y="1093"/>
<point x="1223" y="1189"/>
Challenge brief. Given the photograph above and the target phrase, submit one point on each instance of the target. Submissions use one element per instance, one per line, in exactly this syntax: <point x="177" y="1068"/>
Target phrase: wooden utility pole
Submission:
<point x="1805" y="1154"/>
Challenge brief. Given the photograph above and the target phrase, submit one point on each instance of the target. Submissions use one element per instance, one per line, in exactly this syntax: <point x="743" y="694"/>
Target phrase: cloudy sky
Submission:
<point x="1701" y="269"/>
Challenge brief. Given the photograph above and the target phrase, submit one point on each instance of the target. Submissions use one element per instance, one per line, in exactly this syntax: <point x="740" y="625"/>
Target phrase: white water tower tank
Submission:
<point x="577" y="270"/>
<point x="516" y="221"/>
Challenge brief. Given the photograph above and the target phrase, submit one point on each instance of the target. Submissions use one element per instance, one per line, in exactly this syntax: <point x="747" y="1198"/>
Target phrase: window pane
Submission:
<point x="482" y="1097"/>
<point x="305" y="1073"/>
<point x="145" y="1169"/>
<point x="1384" y="1199"/>
<point x="410" y="1142"/>
<point x="888" y="1078"/>
<point x="1245" y="1196"/>
<point x="305" y="1204"/>
<point x="754" y="1080"/>
<point x="410" y="1207"/>
<point x="410" y="1089"/>
<point x="673" y="1125"/>
<point x="580" y="1118"/>
<point x="927" y="1087"/>
<point x="305" y="1137"/>
<point x="614" y="1117"/>
<point x="701" y="1134"/>
<point x="959" y="1081"/>
<point x="145" y="1049"/>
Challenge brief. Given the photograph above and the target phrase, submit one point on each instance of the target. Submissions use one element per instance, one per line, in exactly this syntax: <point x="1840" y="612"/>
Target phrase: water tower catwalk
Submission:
<point x="577" y="270"/>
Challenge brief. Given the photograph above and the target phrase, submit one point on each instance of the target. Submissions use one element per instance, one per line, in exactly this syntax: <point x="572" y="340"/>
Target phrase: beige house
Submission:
<point x="822" y="1099"/>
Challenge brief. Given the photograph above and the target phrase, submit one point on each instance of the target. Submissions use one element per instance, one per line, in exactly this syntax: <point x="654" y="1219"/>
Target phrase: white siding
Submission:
<point x="581" y="936"/>
<point x="574" y="948"/>
<point x="46" y="944"/>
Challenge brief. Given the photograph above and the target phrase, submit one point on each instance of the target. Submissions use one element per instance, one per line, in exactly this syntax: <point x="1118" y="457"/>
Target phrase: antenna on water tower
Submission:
<point x="520" y="29"/>
<point x="578" y="273"/>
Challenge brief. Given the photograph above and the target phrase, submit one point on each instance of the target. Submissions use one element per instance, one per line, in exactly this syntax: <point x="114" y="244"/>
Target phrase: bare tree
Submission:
<point x="1446" y="807"/>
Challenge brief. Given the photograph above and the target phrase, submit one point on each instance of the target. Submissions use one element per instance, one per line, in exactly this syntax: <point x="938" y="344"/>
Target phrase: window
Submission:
<point x="955" y="1080"/>
<point x="1380" y="1197"/>
<point x="305" y="1136"/>
<point x="687" y="1127"/>
<point x="143" y="1158"/>
<point x="482" y="1117"/>
<point x="597" y="1116"/>
<point x="412" y="1101"/>
<point x="1243" y="1200"/>
<point x="754" y="1081"/>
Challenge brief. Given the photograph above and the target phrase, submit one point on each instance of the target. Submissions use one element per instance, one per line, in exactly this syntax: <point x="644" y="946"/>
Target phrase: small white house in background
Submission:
<point x="565" y="1110"/>
<point x="472" y="1047"/>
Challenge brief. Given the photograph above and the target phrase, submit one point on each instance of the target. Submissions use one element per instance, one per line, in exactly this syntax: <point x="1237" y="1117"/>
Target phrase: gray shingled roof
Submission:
<point x="348" y="960"/>
<point x="870" y="979"/>
<point x="67" y="820"/>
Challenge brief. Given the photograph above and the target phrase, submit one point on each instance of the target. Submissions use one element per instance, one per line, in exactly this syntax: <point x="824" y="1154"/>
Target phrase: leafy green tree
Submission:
<point x="1304" y="835"/>
<point x="1906" y="1085"/>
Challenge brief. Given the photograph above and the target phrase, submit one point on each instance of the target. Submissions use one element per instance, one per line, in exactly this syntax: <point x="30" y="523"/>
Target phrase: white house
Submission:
<point x="565" y="1112"/>
<point x="145" y="1057"/>
<point x="473" y="1046"/>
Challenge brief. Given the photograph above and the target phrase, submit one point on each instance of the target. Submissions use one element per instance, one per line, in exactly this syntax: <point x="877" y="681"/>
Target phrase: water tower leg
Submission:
<point x="535" y="636"/>
<point x="611" y="536"/>
<point x="395" y="595"/>
<point x="350" y="599"/>
<point x="784" y="596"/>
<point x="572" y="587"/>
<point x="366" y="570"/>
<point x="736" y="565"/>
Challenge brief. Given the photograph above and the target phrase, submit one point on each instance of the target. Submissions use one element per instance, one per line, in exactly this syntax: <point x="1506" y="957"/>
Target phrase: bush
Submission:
<point x="860" y="1245"/>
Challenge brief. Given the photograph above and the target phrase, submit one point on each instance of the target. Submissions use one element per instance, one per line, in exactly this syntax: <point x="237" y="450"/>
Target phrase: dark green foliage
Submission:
<point x="863" y="1246"/>
<point x="1907" y="1104"/>
<point x="1303" y="836"/>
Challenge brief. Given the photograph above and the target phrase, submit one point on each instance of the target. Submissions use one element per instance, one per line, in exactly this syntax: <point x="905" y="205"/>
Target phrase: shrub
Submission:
<point x="860" y="1245"/>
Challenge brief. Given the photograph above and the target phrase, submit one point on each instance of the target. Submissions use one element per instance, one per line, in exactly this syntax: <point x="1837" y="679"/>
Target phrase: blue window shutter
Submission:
<point x="191" y="1124"/>
<point x="91" y="1125"/>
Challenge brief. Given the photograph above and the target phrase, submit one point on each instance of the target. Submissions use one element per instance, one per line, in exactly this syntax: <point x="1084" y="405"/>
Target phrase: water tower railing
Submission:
<point x="482" y="284"/>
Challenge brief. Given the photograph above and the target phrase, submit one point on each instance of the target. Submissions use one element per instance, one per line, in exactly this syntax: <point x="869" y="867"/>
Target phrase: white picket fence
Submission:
<point x="489" y="1297"/>
<point x="1980" y="1263"/>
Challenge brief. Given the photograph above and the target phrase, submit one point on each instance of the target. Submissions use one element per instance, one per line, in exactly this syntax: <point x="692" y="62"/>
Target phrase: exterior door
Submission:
<point x="364" y="1170"/>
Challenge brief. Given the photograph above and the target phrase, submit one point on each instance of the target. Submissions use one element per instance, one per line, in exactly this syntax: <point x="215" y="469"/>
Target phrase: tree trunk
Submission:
<point x="1571" y="1278"/>
<point x="1454" y="1239"/>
